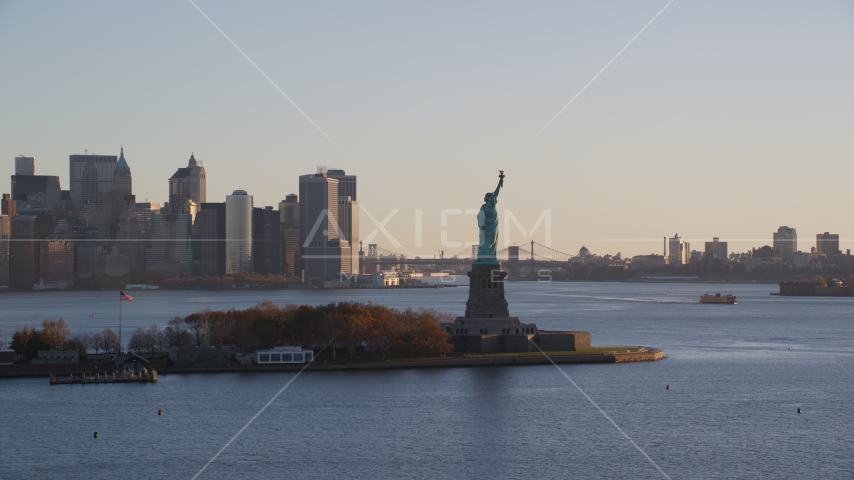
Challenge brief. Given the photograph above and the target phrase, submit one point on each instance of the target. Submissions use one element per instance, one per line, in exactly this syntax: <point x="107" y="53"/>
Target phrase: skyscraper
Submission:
<point x="325" y="251"/>
<point x="348" y="219"/>
<point x="121" y="175"/>
<point x="289" y="211"/>
<point x="23" y="253"/>
<point x="238" y="232"/>
<point x="716" y="249"/>
<point x="266" y="242"/>
<point x="680" y="251"/>
<point x="187" y="184"/>
<point x="827" y="243"/>
<point x="346" y="183"/>
<point x="289" y="227"/>
<point x="36" y="193"/>
<point x="211" y="227"/>
<point x="171" y="252"/>
<point x="91" y="177"/>
<point x="25" y="165"/>
<point x="5" y="236"/>
<point x="786" y="242"/>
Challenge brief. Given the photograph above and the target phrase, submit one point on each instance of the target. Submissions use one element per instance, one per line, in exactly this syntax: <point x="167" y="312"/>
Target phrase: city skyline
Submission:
<point x="695" y="128"/>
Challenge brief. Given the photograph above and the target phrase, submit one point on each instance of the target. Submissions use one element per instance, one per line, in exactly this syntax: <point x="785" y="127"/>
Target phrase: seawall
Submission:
<point x="651" y="354"/>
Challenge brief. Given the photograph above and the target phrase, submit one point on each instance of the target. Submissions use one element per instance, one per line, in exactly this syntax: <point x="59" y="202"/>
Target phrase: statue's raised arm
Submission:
<point x="500" y="184"/>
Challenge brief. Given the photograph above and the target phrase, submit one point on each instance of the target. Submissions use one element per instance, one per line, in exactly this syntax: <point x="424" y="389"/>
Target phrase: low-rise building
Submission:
<point x="57" y="356"/>
<point x="277" y="355"/>
<point x="387" y="278"/>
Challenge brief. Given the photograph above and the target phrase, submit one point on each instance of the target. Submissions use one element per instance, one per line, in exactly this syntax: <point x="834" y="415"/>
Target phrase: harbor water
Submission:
<point x="737" y="375"/>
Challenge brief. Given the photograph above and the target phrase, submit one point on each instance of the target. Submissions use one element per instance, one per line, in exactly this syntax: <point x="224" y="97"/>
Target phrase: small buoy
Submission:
<point x="160" y="412"/>
<point x="96" y="434"/>
<point x="799" y="409"/>
<point x="667" y="387"/>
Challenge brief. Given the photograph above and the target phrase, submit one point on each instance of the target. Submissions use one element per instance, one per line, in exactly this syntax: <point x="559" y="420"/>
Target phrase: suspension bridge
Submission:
<point x="528" y="256"/>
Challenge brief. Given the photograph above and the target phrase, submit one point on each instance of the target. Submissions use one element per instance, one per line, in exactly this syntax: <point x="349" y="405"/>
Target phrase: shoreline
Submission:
<point x="486" y="360"/>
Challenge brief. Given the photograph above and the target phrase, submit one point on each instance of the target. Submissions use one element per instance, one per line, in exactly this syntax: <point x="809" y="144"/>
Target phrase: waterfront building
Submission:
<point x="266" y="241"/>
<point x="122" y="181"/>
<point x="187" y="183"/>
<point x="91" y="177"/>
<point x="171" y="252"/>
<point x="23" y="253"/>
<point x="716" y="249"/>
<point x="5" y="236"/>
<point x="325" y="254"/>
<point x="87" y="259"/>
<point x="801" y="259"/>
<point x="25" y="165"/>
<point x="36" y="193"/>
<point x="238" y="232"/>
<point x="283" y="355"/>
<point x="827" y="243"/>
<point x="111" y="263"/>
<point x="132" y="239"/>
<point x="56" y="260"/>
<point x="786" y="242"/>
<point x="640" y="262"/>
<point x="679" y="251"/>
<point x="211" y="227"/>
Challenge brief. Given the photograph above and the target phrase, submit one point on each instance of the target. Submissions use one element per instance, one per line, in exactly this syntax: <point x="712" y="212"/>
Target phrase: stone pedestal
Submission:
<point x="488" y="327"/>
<point x="486" y="292"/>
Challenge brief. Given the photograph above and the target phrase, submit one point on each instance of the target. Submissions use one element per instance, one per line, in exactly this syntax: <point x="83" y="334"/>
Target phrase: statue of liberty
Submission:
<point x="487" y="220"/>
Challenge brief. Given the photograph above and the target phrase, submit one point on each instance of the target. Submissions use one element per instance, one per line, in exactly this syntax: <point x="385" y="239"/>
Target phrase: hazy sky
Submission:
<point x="724" y="118"/>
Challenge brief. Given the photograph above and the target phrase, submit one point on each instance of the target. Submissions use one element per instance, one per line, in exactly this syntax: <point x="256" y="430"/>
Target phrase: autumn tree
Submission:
<point x="386" y="326"/>
<point x="354" y="326"/>
<point x="96" y="342"/>
<point x="55" y="332"/>
<point x="111" y="341"/>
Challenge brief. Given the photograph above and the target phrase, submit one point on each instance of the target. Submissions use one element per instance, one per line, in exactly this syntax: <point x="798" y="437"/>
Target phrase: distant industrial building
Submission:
<point x="238" y="232"/>
<point x="786" y="242"/>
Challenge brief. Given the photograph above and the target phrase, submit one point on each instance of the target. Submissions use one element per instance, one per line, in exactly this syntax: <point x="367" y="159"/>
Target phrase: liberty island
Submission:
<point x="487" y="325"/>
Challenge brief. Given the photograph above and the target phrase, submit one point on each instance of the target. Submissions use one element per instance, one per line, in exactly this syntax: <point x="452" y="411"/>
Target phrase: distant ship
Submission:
<point x="718" y="298"/>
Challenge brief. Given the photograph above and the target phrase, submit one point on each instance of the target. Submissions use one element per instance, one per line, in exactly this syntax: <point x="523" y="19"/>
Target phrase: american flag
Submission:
<point x="125" y="296"/>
